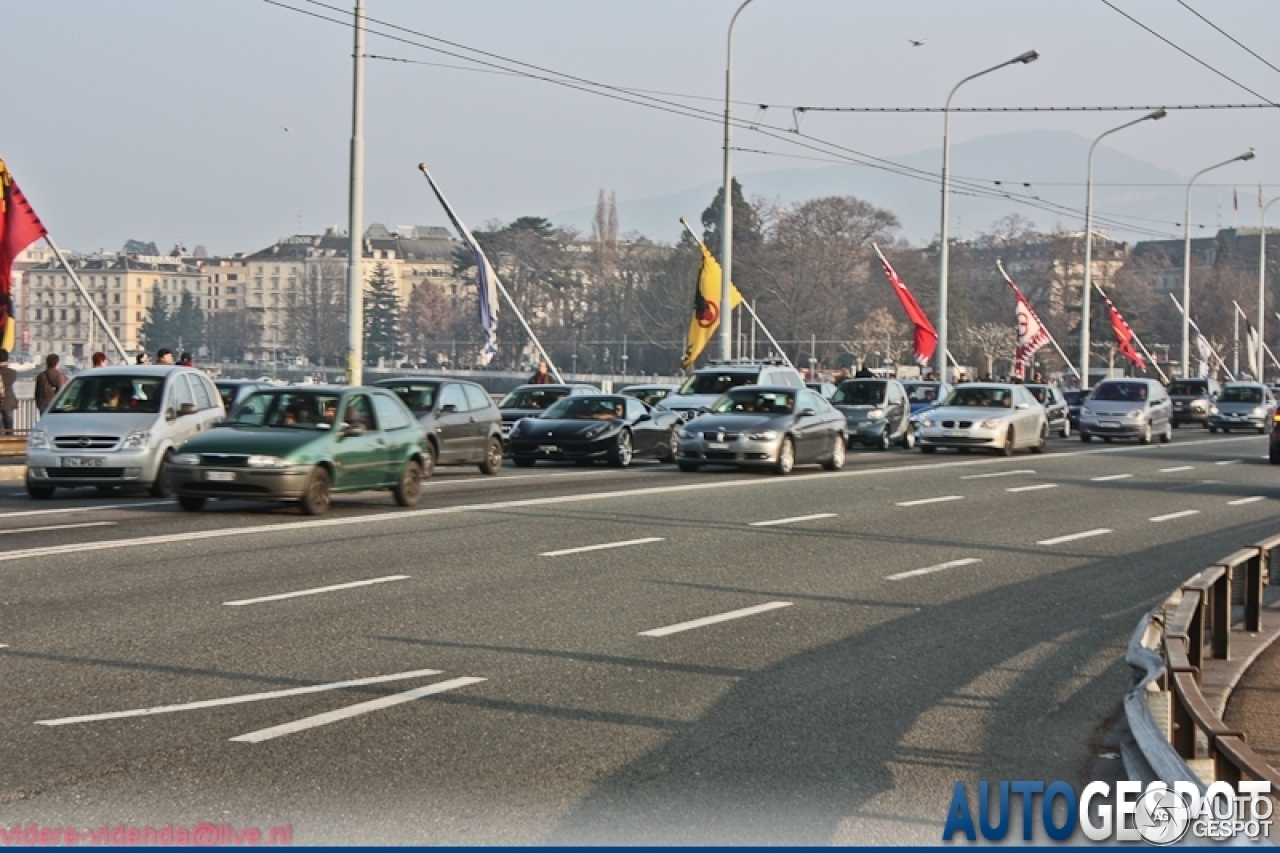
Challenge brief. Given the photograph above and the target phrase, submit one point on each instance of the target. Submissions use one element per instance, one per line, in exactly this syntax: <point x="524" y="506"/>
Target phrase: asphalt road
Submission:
<point x="884" y="631"/>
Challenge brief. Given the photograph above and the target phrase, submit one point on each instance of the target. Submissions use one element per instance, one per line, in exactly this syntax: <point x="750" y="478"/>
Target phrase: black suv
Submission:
<point x="1192" y="400"/>
<point x="462" y="424"/>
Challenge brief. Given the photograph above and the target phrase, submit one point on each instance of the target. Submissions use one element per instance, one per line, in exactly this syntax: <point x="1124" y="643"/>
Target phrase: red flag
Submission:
<point x="19" y="228"/>
<point x="1124" y="336"/>
<point x="926" y="338"/>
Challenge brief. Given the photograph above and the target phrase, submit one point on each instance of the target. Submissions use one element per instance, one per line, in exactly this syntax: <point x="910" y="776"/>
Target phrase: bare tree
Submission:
<point x="316" y="320"/>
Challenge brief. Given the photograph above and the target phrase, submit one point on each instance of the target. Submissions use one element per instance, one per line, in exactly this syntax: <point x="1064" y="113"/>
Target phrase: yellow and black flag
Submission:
<point x="706" y="307"/>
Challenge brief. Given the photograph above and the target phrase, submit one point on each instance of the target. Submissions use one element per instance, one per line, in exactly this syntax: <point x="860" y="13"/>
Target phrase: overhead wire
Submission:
<point x="1227" y="35"/>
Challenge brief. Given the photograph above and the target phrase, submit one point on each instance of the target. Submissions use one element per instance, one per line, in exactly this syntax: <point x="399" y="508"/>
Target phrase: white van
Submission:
<point x="115" y="427"/>
<point x="707" y="384"/>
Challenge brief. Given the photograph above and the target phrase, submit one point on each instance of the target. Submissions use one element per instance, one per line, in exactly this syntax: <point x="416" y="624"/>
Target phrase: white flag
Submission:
<point x="1255" y="369"/>
<point x="1202" y="346"/>
<point x="1031" y="334"/>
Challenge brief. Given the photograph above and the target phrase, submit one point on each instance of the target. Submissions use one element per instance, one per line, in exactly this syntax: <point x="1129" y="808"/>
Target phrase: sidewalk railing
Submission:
<point x="1174" y="645"/>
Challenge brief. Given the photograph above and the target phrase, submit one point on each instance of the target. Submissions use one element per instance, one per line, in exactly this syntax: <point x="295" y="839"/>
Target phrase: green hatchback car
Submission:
<point x="303" y="444"/>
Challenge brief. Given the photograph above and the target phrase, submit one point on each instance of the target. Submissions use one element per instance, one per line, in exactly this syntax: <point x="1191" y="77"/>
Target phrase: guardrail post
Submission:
<point x="1183" y="735"/>
<point x="1220" y="599"/>
<point x="1224" y="767"/>
<point x="1195" y="631"/>
<point x="1253" y="590"/>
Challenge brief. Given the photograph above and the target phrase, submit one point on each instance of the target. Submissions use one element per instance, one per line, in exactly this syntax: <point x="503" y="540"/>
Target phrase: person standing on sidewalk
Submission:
<point x="8" y="397"/>
<point x="49" y="382"/>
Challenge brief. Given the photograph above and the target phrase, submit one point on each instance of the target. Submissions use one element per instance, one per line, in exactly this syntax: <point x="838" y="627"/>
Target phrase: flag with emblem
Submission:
<point x="1032" y="333"/>
<point x="706" y="307"/>
<point x="926" y="338"/>
<point x="19" y="228"/>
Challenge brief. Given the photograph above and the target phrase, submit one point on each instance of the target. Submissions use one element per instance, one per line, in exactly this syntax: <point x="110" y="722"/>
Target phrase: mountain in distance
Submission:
<point x="1053" y="163"/>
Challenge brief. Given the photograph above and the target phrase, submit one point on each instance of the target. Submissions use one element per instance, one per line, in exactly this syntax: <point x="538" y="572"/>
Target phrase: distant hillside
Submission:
<point x="1039" y="157"/>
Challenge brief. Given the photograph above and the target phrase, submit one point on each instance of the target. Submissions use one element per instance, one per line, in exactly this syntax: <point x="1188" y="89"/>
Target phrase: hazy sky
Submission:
<point x="227" y="122"/>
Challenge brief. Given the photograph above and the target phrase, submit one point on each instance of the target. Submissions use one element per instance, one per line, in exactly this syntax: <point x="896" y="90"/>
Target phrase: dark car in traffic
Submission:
<point x="1074" y="397"/>
<point x="304" y="444"/>
<point x="587" y="428"/>
<point x="777" y="427"/>
<point x="233" y="391"/>
<point x="650" y="395"/>
<point x="462" y="423"/>
<point x="529" y="401"/>
<point x="876" y="412"/>
<point x="1192" y="399"/>
<point x="1055" y="408"/>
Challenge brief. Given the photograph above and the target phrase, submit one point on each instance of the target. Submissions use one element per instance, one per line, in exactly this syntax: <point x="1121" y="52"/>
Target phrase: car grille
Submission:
<point x="225" y="460"/>
<point x="85" y="442"/>
<point x="84" y="473"/>
<point x="225" y="488"/>
<point x="721" y="436"/>
<point x="960" y="439"/>
<point x="956" y="424"/>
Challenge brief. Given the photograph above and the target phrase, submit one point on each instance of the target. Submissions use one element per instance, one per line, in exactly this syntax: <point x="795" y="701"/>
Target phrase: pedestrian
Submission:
<point x="143" y="358"/>
<point x="49" y="382"/>
<point x="8" y="398"/>
<point x="185" y="360"/>
<point x="864" y="372"/>
<point x="99" y="359"/>
<point x="542" y="376"/>
<point x="164" y="356"/>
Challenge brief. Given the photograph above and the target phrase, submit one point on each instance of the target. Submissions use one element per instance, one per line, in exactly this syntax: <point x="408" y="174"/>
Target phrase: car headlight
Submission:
<point x="1257" y="411"/>
<point x="595" y="431"/>
<point x="991" y="424"/>
<point x="875" y="414"/>
<point x="136" y="440"/>
<point x="925" y="422"/>
<point x="38" y="440"/>
<point x="766" y="435"/>
<point x="1136" y="414"/>
<point x="257" y="461"/>
<point x="1213" y="410"/>
<point x="185" y="459"/>
<point x="687" y="435"/>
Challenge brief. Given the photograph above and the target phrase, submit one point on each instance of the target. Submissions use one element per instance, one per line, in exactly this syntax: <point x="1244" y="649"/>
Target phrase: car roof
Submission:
<point x="554" y="386"/>
<point x="656" y="386"/>
<point x="768" y="388"/>
<point x="1243" y="384"/>
<point x="138" y="370"/>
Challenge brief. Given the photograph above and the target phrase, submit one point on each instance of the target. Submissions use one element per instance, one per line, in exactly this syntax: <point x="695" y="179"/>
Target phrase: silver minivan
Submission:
<point x="1127" y="408"/>
<point x="114" y="427"/>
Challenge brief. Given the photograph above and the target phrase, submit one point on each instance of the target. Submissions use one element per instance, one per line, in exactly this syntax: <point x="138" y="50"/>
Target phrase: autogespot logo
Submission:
<point x="1159" y="815"/>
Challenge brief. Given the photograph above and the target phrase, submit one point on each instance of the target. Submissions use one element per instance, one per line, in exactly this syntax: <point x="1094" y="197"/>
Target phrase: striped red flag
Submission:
<point x="19" y="228"/>
<point x="926" y="337"/>
<point x="1124" y="336"/>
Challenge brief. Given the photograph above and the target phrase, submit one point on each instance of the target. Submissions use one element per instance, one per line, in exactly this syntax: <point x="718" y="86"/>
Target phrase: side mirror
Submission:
<point x="448" y="409"/>
<point x="644" y="417"/>
<point x="1022" y="406"/>
<point x="352" y="430"/>
<point x="170" y="414"/>
<point x="807" y="413"/>
<point x="187" y="409"/>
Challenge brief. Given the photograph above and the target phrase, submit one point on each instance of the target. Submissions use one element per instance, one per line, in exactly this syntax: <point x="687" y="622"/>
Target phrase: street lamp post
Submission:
<point x="726" y="216"/>
<point x="1262" y="283"/>
<point x="1186" y="261"/>
<point x="941" y="357"/>
<point x="1088" y="247"/>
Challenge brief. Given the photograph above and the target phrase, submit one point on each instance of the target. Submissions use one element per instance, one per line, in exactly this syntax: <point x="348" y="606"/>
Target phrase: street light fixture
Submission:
<point x="1021" y="59"/>
<point x="1088" y="247"/>
<point x="1262" y="282"/>
<point x="1186" y="261"/>
<point x="726" y="217"/>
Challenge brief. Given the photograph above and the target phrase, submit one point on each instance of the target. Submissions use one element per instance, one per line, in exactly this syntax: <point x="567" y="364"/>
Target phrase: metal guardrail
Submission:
<point x="1197" y="629"/>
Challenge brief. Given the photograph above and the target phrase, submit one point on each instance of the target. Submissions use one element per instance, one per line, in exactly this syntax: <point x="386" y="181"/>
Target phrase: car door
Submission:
<point x="645" y="434"/>
<point x="181" y="427"/>
<point x="454" y="424"/>
<point x="811" y="431"/>
<point x="896" y="409"/>
<point x="360" y="456"/>
<point x="478" y="403"/>
<point x="1030" y="418"/>
<point x="400" y="431"/>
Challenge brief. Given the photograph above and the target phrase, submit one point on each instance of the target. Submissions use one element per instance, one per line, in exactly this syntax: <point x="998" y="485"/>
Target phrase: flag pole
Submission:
<point x="470" y="240"/>
<point x="1213" y="352"/>
<point x="752" y="311"/>
<point x="1052" y="339"/>
<point x="1136" y="339"/>
<point x="80" y="287"/>
<point x="1250" y="352"/>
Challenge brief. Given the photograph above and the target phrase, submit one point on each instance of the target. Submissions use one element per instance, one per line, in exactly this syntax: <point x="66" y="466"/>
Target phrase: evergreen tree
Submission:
<point x="157" y="328"/>
<point x="381" y="316"/>
<point x="187" y="322"/>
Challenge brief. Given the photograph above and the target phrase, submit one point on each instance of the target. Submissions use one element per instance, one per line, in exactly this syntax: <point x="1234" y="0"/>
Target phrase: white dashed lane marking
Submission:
<point x="1177" y="468"/>
<point x="1249" y="500"/>
<point x="1071" y="537"/>
<point x="1173" y="515"/>
<point x="712" y="620"/>
<point x="1034" y="488"/>
<point x="1110" y="477"/>
<point x="315" y="591"/>
<point x="793" y="520"/>
<point x="941" y="567"/>
<point x="623" y="544"/>
<point x="59" y="527"/>
<point x="997" y="474"/>
<point x="931" y="500"/>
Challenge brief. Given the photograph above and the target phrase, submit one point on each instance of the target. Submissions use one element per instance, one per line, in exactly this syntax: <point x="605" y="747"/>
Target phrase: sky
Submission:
<point x="227" y="124"/>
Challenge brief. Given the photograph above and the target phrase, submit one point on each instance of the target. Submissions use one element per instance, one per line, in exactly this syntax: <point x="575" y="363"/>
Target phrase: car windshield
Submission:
<point x="1241" y="394"/>
<point x="921" y="392"/>
<point x="584" y="408"/>
<point x="125" y="395"/>
<point x="716" y="382"/>
<point x="418" y="396"/>
<point x="287" y="410"/>
<point x="1072" y="397"/>
<point x="228" y="395"/>
<point x="855" y="393"/>
<point x="1041" y="393"/>
<point x="532" y="398"/>
<point x="979" y="397"/>
<point x="1132" y="392"/>
<point x="649" y="396"/>
<point x="745" y="401"/>
<point x="1189" y="388"/>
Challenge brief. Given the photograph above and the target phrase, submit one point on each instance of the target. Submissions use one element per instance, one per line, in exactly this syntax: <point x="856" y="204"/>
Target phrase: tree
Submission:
<point x="381" y="316"/>
<point x="429" y="317"/>
<point x="232" y="334"/>
<point x="995" y="341"/>
<point x="188" y="325"/>
<point x="157" y="328"/>
<point x="316" y="319"/>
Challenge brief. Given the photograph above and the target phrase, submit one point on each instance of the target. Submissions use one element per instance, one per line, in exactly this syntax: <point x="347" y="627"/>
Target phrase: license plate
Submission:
<point x="548" y="448"/>
<point x="717" y="445"/>
<point x="1109" y="423"/>
<point x="83" y="462"/>
<point x="220" y="476"/>
<point x="952" y="433"/>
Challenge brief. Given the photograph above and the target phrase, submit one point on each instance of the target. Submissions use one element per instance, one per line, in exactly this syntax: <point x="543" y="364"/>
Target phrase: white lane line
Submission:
<point x="998" y="474"/>
<point x="1071" y="537"/>
<point x="316" y="591"/>
<point x="1249" y="500"/>
<point x="1171" y="516"/>
<point x="931" y="500"/>
<point x="104" y="508"/>
<point x="1034" y="488"/>
<point x="792" y="520"/>
<point x="941" y="567"/>
<point x="354" y="710"/>
<point x="237" y="700"/>
<point x="712" y="620"/>
<point x="59" y="527"/>
<point x="1228" y="462"/>
<point x="1177" y="468"/>
<point x="1110" y="477"/>
<point x="624" y="544"/>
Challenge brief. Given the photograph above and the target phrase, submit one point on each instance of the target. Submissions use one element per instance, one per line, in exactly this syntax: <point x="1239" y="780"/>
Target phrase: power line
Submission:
<point x="1230" y="37"/>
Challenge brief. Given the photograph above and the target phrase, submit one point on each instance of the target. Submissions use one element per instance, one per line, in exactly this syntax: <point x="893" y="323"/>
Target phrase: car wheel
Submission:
<point x="786" y="457"/>
<point x="909" y="438"/>
<point x="191" y="503"/>
<point x="1038" y="447"/>
<point x="1214" y="429"/>
<point x="492" y="463"/>
<point x="1007" y="450"/>
<point x="409" y="488"/>
<point x="688" y="467"/>
<point x="1177" y="424"/>
<point x="429" y="461"/>
<point x="620" y="453"/>
<point x="882" y="443"/>
<point x="1085" y="437"/>
<point x="1066" y="429"/>
<point x="315" y="498"/>
<point x="1262" y="430"/>
<point x="670" y="454"/>
<point x="1167" y="435"/>
<point x="836" y="462"/>
<point x="928" y="449"/>
<point x="39" y="493"/>
<point x="161" y="488"/>
<point x="523" y="461"/>
<point x="1274" y="457"/>
<point x="1145" y="438"/>
<point x="1106" y="439"/>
